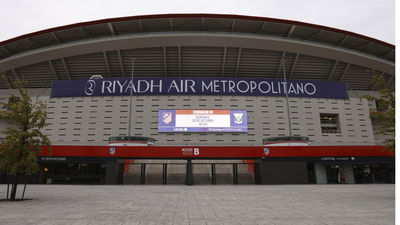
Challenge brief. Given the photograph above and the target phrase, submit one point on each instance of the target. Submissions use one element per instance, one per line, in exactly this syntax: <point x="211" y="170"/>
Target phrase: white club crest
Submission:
<point x="112" y="150"/>
<point x="167" y="117"/>
<point x="266" y="151"/>
<point x="238" y="118"/>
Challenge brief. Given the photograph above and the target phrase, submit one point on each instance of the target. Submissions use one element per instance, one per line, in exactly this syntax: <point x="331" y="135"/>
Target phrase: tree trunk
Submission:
<point x="14" y="188"/>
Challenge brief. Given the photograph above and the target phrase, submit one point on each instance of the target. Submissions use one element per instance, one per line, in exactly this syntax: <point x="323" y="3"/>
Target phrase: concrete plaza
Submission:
<point x="202" y="204"/>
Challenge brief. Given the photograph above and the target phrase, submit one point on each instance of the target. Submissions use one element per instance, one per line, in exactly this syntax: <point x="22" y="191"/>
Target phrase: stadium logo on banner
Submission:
<point x="90" y="86"/>
<point x="167" y="117"/>
<point x="238" y="117"/>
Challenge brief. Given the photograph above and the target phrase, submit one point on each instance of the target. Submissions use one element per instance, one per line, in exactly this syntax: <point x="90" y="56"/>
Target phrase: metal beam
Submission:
<point x="141" y="25"/>
<point x="233" y="25"/>
<point x="366" y="46"/>
<point x="344" y="72"/>
<point x="296" y="58"/>
<point x="107" y="64"/>
<point x="56" y="37"/>
<point x="17" y="76"/>
<point x="278" y="71"/>
<point x="215" y="21"/>
<point x="291" y="30"/>
<point x="6" y="50"/>
<point x="111" y="28"/>
<point x="314" y="35"/>
<point x="362" y="45"/>
<point x="223" y="62"/>
<point x="374" y="85"/>
<point x="53" y="70"/>
<point x="185" y="23"/>
<point x="171" y="24"/>
<point x="342" y="40"/>
<point x="238" y="61"/>
<point x="121" y="64"/>
<point x="66" y="68"/>
<point x="387" y="53"/>
<point x="33" y="42"/>
<point x="333" y="70"/>
<point x="30" y="42"/>
<point x="261" y="28"/>
<point x="317" y="35"/>
<point x="179" y="61"/>
<point x="83" y="32"/>
<point x="165" y="61"/>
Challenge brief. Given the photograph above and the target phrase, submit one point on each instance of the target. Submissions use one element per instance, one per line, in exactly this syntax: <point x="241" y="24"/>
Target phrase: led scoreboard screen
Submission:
<point x="202" y="121"/>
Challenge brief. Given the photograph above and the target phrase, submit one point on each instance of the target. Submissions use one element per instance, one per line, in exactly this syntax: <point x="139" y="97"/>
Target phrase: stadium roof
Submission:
<point x="196" y="45"/>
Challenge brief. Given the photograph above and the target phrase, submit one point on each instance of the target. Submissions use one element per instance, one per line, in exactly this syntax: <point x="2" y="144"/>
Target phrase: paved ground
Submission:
<point x="202" y="204"/>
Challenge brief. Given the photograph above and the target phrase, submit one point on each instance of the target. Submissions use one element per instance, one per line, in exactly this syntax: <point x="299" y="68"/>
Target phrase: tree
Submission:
<point x="24" y="141"/>
<point x="385" y="109"/>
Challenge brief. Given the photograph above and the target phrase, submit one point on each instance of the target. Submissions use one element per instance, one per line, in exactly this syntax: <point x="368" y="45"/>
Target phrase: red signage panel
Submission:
<point x="239" y="152"/>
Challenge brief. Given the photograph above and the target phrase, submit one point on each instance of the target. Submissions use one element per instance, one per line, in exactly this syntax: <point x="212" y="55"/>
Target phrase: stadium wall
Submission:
<point x="92" y="120"/>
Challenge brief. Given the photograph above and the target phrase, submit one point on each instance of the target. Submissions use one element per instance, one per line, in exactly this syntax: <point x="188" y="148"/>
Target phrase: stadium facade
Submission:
<point x="231" y="66"/>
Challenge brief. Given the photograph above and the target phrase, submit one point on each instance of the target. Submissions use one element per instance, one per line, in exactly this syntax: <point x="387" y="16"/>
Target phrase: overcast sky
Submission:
<point x="373" y="18"/>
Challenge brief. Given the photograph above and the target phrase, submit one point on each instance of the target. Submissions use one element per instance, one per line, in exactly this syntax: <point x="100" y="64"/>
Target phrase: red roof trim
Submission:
<point x="226" y="16"/>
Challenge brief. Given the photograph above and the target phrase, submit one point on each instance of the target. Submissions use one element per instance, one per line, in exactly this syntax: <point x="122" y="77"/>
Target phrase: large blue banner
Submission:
<point x="198" y="86"/>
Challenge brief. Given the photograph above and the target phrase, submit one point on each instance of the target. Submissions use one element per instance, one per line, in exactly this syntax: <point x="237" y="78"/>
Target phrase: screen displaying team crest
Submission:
<point x="202" y="120"/>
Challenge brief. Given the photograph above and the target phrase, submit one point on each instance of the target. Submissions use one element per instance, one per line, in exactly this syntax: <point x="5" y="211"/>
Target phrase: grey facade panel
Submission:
<point x="92" y="120"/>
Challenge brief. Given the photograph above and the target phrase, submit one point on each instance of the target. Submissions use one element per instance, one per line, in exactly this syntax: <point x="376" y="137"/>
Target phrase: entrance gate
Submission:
<point x="288" y="160"/>
<point x="188" y="172"/>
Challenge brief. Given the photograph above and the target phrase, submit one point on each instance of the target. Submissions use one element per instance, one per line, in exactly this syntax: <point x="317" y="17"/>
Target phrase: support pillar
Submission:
<point x="189" y="172"/>
<point x="213" y="174"/>
<point x="142" y="173"/>
<point x="349" y="172"/>
<point x="112" y="172"/>
<point x="235" y="174"/>
<point x="165" y="181"/>
<point x="320" y="174"/>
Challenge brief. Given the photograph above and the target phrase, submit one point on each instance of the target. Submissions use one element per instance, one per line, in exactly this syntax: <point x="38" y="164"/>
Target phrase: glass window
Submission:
<point x="330" y="123"/>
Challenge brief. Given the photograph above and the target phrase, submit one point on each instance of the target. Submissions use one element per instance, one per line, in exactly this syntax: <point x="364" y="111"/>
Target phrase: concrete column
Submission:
<point x="143" y="173"/>
<point x="349" y="172"/>
<point x="112" y="172"/>
<point x="213" y="174"/>
<point x="320" y="174"/>
<point x="189" y="172"/>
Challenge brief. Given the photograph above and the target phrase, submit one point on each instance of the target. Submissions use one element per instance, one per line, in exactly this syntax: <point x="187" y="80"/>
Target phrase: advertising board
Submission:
<point x="202" y="121"/>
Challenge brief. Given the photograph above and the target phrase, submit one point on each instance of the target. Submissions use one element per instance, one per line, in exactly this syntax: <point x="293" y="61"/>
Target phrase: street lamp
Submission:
<point x="130" y="99"/>
<point x="287" y="98"/>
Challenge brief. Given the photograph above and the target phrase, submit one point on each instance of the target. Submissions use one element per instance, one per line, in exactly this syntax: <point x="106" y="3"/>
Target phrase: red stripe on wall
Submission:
<point x="216" y="151"/>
